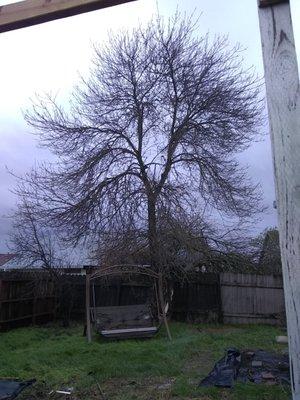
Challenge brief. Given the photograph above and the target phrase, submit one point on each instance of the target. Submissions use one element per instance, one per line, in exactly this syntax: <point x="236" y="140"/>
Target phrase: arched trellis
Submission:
<point x="130" y="269"/>
<point x="119" y="270"/>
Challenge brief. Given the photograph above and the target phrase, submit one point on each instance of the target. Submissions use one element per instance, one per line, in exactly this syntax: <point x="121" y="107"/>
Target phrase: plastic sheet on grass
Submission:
<point x="10" y="389"/>
<point x="257" y="366"/>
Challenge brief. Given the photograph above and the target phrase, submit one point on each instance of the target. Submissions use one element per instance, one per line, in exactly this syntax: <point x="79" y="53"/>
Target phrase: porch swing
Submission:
<point x="122" y="321"/>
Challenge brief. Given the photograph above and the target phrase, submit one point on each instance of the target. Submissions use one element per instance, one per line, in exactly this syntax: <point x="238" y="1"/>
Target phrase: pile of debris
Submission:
<point x="249" y="366"/>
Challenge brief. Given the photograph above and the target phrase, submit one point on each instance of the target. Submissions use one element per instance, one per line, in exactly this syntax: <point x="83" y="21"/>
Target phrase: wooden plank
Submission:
<point x="29" y="316"/>
<point x="31" y="12"/>
<point x="252" y="316"/>
<point x="88" y="307"/>
<point x="21" y="300"/>
<point x="129" y="333"/>
<point x="266" y="3"/>
<point x="130" y="330"/>
<point x="243" y="285"/>
<point x="246" y="297"/>
<point x="283" y="96"/>
<point x="252" y="280"/>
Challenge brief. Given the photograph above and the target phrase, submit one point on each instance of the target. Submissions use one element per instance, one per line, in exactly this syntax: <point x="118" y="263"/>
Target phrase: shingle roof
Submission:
<point x="4" y="258"/>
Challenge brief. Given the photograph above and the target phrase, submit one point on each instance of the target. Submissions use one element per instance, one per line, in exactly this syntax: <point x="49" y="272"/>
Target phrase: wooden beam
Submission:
<point x="266" y="3"/>
<point x="283" y="96"/>
<point x="88" y="307"/>
<point x="31" y="12"/>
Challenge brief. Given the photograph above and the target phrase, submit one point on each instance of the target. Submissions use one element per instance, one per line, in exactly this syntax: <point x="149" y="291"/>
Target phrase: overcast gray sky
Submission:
<point x="49" y="57"/>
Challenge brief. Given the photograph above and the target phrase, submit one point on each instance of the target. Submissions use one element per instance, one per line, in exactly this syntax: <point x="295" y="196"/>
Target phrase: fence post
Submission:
<point x="1" y="316"/>
<point x="87" y="307"/>
<point x="34" y="310"/>
<point x="283" y="96"/>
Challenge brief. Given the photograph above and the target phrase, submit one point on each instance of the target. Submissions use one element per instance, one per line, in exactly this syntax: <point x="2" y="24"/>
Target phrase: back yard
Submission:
<point x="128" y="370"/>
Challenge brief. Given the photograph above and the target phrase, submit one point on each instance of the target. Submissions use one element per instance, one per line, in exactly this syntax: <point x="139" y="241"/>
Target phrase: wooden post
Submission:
<point x="34" y="310"/>
<point x="163" y="304"/>
<point x="87" y="307"/>
<point x="283" y="96"/>
<point x="31" y="12"/>
<point x="1" y="297"/>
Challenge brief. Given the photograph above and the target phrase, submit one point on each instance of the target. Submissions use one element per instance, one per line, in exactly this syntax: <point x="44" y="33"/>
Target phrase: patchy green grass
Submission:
<point x="128" y="370"/>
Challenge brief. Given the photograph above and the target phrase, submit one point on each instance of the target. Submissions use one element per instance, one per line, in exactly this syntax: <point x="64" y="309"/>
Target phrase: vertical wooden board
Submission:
<point x="251" y="298"/>
<point x="87" y="307"/>
<point x="283" y="96"/>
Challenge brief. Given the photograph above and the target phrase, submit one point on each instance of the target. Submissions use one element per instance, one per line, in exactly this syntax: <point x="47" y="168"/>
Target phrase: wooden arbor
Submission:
<point x="137" y="319"/>
<point x="31" y="12"/>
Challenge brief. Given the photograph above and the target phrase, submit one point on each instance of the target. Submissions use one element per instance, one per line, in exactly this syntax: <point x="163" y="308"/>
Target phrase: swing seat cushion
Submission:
<point x="124" y="321"/>
<point x="130" y="333"/>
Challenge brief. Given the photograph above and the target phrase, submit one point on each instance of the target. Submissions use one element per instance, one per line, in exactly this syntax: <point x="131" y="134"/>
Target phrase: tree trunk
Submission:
<point x="152" y="233"/>
<point x="155" y="257"/>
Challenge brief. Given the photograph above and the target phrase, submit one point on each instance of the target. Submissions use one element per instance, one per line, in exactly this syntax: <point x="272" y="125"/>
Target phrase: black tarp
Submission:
<point x="273" y="368"/>
<point x="249" y="366"/>
<point x="9" y="389"/>
<point x="225" y="371"/>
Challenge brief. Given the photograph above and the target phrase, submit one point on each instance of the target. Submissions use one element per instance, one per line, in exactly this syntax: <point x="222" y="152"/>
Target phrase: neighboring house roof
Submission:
<point x="75" y="259"/>
<point x="17" y="263"/>
<point x="5" y="258"/>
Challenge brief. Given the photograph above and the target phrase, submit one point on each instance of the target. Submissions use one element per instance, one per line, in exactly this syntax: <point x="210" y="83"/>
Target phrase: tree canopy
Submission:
<point x="153" y="130"/>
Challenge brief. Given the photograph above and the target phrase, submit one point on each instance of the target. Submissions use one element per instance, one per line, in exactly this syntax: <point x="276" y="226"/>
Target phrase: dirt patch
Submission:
<point x="112" y="389"/>
<point x="144" y="389"/>
<point x="199" y="363"/>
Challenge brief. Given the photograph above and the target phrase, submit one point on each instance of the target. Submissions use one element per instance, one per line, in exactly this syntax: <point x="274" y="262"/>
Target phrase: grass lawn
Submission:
<point x="127" y="370"/>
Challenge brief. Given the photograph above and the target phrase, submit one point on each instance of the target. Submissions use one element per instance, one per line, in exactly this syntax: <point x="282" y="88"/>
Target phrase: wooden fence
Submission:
<point x="198" y="300"/>
<point x="115" y="293"/>
<point x="226" y="297"/>
<point x="248" y="298"/>
<point x="231" y="298"/>
<point x="25" y="300"/>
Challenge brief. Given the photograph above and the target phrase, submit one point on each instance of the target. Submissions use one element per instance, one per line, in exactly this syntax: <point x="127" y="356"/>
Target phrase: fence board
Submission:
<point x="197" y="300"/>
<point x="249" y="298"/>
<point x="24" y="300"/>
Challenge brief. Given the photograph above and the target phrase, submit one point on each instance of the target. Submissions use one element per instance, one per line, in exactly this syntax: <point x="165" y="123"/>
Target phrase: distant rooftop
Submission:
<point x="5" y="258"/>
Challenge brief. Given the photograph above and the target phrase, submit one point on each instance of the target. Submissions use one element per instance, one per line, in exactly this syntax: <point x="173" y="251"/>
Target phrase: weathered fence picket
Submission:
<point x="249" y="298"/>
<point x="25" y="300"/>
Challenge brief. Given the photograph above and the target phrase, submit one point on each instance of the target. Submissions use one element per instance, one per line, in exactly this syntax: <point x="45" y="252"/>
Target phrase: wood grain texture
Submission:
<point x="249" y="298"/>
<point x="31" y="12"/>
<point x="283" y="96"/>
<point x="87" y="308"/>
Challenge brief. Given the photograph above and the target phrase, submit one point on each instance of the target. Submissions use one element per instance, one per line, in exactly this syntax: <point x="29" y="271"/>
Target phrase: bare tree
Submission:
<point x="156" y="126"/>
<point x="39" y="249"/>
<point x="268" y="252"/>
<point x="34" y="244"/>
